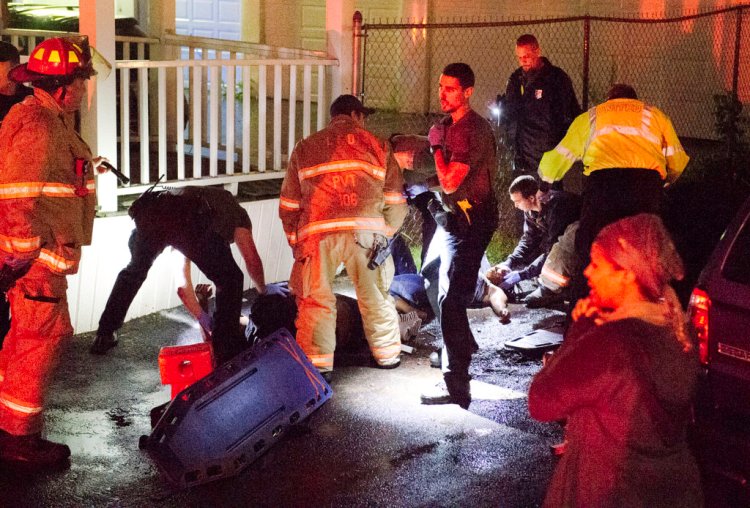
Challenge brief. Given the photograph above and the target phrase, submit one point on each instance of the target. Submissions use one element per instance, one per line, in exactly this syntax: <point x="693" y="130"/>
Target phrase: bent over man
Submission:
<point x="341" y="198"/>
<point x="463" y="147"/>
<point x="47" y="200"/>
<point x="201" y="223"/>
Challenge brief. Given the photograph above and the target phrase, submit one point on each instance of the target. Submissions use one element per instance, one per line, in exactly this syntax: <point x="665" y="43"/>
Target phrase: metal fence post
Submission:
<point x="737" y="42"/>
<point x="586" y="42"/>
<point x="357" y="52"/>
<point x="731" y="141"/>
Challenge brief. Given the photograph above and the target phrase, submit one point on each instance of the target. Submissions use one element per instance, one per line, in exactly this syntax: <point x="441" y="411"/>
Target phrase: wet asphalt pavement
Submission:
<point x="372" y="444"/>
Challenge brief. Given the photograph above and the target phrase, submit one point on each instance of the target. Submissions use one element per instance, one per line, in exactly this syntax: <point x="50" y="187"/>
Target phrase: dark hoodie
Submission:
<point x="625" y="388"/>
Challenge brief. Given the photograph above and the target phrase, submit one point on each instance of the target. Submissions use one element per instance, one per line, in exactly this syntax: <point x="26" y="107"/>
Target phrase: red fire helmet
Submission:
<point x="57" y="57"/>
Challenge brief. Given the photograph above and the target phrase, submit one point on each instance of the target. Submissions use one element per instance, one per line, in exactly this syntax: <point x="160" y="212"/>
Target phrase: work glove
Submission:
<point x="436" y="136"/>
<point x="510" y="280"/>
<point x="276" y="289"/>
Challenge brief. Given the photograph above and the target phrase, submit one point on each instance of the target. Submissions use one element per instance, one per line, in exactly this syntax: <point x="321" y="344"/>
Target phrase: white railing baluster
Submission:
<point x="162" y="141"/>
<point x="262" y="107"/>
<point x="125" y="121"/>
<point x="321" y="96"/>
<point x="292" y="127"/>
<point x="246" y="117"/>
<point x="307" y="99"/>
<point x="204" y="95"/>
<point x="180" y="124"/>
<point x="143" y="132"/>
<point x="213" y="111"/>
<point x="278" y="94"/>
<point x="229" y="127"/>
<point x="197" y="121"/>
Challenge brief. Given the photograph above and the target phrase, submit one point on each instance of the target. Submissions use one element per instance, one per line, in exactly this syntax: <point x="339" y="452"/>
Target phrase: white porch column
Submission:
<point x="99" y="111"/>
<point x="160" y="20"/>
<point x="339" y="45"/>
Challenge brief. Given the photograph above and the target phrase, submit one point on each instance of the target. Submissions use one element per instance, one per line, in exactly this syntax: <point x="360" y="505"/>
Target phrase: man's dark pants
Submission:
<point x="608" y="196"/>
<point x="460" y="258"/>
<point x="212" y="255"/>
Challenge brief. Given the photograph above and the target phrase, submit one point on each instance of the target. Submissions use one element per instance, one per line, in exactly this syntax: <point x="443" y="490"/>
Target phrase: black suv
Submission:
<point x="719" y="310"/>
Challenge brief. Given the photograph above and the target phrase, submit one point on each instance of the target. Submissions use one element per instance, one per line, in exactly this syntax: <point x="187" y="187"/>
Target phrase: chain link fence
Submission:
<point x="677" y="64"/>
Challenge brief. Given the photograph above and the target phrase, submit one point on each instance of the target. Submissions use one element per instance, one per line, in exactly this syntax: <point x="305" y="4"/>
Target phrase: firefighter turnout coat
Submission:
<point x="341" y="179"/>
<point x="620" y="133"/>
<point x="47" y="200"/>
<point x="342" y="194"/>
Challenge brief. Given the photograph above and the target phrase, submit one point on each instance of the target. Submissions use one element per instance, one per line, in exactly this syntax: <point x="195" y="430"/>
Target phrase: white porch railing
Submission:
<point x="224" y="133"/>
<point x="220" y="112"/>
<point x="223" y="113"/>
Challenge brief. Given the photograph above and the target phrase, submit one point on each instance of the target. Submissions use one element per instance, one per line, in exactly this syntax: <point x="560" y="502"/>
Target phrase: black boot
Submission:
<point x="32" y="452"/>
<point x="449" y="391"/>
<point x="104" y="342"/>
<point x="460" y="390"/>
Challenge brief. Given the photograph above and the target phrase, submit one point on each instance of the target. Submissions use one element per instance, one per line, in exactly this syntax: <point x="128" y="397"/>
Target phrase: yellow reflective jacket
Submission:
<point x="620" y="133"/>
<point x="341" y="178"/>
<point x="46" y="207"/>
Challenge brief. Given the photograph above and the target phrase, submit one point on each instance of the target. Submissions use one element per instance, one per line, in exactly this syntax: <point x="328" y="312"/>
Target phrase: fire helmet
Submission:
<point x="60" y="58"/>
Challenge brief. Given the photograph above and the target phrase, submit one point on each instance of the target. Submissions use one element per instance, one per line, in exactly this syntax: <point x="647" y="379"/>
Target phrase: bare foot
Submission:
<point x="498" y="301"/>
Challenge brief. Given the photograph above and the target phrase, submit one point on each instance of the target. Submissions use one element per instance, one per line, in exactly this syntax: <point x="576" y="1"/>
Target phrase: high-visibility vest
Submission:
<point x="620" y="133"/>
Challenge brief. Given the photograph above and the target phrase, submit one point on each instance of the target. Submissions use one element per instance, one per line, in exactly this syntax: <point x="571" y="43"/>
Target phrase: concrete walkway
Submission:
<point x="372" y="444"/>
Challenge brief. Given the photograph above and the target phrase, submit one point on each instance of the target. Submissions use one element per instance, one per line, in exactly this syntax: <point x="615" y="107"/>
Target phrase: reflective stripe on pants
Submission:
<point x="32" y="348"/>
<point x="316" y="304"/>
<point x="561" y="262"/>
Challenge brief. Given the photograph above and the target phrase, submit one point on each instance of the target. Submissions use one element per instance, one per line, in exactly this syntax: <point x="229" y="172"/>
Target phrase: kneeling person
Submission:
<point x="547" y="217"/>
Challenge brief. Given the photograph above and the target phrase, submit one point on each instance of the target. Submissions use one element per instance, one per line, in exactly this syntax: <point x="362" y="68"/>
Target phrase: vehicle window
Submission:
<point x="737" y="266"/>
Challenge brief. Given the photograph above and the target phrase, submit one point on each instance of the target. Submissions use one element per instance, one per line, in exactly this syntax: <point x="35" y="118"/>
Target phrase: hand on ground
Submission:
<point x="203" y="292"/>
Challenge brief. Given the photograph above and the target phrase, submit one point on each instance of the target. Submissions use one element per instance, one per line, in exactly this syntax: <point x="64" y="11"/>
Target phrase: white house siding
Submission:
<point x="108" y="254"/>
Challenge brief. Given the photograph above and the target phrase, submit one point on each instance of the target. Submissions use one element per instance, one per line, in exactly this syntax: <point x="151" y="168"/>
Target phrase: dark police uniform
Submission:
<point x="469" y="225"/>
<point x="199" y="222"/>
<point x="539" y="107"/>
